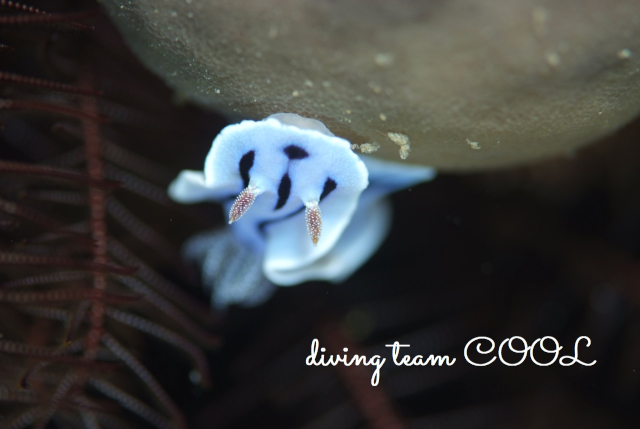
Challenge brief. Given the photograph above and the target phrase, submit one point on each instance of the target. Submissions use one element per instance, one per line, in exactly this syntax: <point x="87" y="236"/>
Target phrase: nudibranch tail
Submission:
<point x="243" y="202"/>
<point x="313" y="217"/>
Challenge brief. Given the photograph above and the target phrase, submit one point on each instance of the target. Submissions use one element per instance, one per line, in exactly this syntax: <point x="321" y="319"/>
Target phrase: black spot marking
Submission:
<point x="283" y="191"/>
<point x="295" y="152"/>
<point x="246" y="162"/>
<point x="329" y="186"/>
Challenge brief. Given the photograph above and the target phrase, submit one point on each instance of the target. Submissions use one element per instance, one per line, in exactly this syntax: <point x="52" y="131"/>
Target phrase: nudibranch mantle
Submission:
<point x="302" y="205"/>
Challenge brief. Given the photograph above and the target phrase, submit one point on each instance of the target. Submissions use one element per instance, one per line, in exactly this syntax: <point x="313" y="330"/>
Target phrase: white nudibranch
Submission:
<point x="302" y="206"/>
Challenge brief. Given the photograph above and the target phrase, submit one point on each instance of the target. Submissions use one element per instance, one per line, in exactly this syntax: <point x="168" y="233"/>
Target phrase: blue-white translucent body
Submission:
<point x="288" y="166"/>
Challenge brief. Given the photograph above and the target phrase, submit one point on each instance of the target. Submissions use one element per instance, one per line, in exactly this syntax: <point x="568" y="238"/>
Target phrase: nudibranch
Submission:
<point x="302" y="206"/>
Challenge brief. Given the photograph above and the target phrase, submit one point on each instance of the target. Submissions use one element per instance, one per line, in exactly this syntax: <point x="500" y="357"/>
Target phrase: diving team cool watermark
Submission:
<point x="485" y="354"/>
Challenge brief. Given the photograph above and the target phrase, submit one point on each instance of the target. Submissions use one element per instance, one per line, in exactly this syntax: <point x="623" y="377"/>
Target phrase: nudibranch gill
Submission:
<point x="302" y="206"/>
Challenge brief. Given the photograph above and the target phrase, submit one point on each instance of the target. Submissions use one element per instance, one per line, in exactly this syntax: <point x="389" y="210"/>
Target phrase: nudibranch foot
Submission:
<point x="306" y="179"/>
<point x="231" y="272"/>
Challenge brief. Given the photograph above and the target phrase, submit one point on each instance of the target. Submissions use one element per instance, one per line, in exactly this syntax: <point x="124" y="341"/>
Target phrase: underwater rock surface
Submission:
<point x="456" y="85"/>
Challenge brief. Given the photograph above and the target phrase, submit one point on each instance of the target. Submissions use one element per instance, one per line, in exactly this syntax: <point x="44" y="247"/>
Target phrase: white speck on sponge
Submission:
<point x="365" y="147"/>
<point x="474" y="145"/>
<point x="623" y="54"/>
<point x="401" y="140"/>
